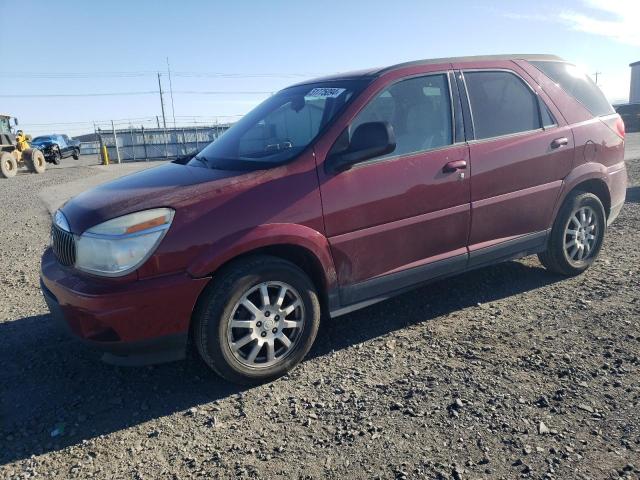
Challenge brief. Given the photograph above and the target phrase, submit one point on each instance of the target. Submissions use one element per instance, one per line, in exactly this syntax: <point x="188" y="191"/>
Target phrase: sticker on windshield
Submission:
<point x="325" y="92"/>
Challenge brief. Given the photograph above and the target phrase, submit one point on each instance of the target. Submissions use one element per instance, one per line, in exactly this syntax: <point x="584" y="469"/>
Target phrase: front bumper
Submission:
<point x="134" y="322"/>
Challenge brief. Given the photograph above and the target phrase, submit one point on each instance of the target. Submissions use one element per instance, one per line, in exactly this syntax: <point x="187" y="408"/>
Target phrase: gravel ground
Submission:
<point x="505" y="372"/>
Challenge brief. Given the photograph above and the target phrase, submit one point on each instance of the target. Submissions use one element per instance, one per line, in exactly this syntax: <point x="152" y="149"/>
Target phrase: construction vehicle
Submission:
<point x="15" y="150"/>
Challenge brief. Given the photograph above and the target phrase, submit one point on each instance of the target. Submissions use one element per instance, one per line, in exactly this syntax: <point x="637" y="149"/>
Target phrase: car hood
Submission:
<point x="169" y="185"/>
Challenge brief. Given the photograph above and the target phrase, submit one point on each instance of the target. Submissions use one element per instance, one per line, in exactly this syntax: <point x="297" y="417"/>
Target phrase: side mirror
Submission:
<point x="370" y="140"/>
<point x="15" y="121"/>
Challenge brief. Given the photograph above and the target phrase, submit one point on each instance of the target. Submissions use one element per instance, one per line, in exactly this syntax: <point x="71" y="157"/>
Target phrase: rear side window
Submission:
<point x="578" y="85"/>
<point x="501" y="104"/>
<point x="418" y="109"/>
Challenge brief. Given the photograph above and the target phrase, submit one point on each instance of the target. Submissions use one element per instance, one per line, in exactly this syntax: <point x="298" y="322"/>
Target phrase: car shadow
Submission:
<point x="55" y="392"/>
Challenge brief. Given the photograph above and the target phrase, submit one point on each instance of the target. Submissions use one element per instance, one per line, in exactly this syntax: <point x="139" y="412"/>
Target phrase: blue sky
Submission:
<point x="78" y="47"/>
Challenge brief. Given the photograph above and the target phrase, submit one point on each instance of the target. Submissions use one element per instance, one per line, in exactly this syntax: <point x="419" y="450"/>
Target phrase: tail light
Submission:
<point x="615" y="123"/>
<point x="620" y="126"/>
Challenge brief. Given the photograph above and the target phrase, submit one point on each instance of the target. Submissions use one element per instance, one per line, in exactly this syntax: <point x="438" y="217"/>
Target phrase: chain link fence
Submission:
<point x="142" y="144"/>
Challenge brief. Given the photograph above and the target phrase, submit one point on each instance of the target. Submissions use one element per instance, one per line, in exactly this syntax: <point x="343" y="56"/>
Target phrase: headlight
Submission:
<point x="118" y="246"/>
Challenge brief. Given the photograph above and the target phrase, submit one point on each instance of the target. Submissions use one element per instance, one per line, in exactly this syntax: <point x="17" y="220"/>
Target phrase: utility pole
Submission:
<point x="597" y="74"/>
<point x="173" y="110"/>
<point x="164" y="120"/>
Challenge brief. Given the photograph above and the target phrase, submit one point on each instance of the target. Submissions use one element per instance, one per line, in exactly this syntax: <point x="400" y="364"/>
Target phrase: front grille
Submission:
<point x="64" y="246"/>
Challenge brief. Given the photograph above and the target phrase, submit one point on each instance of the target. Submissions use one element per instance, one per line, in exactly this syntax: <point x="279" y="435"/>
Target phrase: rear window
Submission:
<point x="578" y="85"/>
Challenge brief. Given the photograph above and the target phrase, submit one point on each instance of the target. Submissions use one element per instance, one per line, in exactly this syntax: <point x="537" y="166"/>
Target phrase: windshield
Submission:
<point x="4" y="125"/>
<point x="279" y="128"/>
<point x="41" y="139"/>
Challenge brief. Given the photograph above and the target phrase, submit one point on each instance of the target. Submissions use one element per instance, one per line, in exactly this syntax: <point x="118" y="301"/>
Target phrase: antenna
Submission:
<point x="597" y="74"/>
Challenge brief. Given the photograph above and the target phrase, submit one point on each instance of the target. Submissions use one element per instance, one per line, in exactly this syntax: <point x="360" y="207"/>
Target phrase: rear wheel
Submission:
<point x="257" y="320"/>
<point x="8" y="165"/>
<point x="577" y="235"/>
<point x="34" y="159"/>
<point x="76" y="154"/>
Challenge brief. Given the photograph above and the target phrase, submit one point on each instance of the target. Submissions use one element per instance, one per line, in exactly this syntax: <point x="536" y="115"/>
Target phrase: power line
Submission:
<point x="220" y="92"/>
<point x="129" y="120"/>
<point x="83" y="75"/>
<point x="115" y="94"/>
<point x="105" y="94"/>
<point x="74" y="74"/>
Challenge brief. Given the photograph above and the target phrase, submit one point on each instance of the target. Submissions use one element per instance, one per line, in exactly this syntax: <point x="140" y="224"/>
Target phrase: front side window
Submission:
<point x="281" y="127"/>
<point x="577" y="84"/>
<point x="419" y="111"/>
<point x="501" y="104"/>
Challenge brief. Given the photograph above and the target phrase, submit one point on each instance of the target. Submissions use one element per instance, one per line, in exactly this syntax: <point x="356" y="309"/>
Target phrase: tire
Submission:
<point x="224" y="300"/>
<point x="76" y="154"/>
<point x="571" y="250"/>
<point x="8" y="165"/>
<point x="34" y="159"/>
<point x="56" y="156"/>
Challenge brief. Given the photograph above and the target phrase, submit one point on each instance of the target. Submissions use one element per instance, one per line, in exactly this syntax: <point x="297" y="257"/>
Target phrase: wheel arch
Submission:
<point x="589" y="177"/>
<point x="600" y="189"/>
<point x="295" y="254"/>
<point x="304" y="247"/>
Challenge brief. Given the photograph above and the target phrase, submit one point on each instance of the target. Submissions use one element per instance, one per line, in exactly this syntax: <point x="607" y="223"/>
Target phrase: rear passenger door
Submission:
<point x="520" y="151"/>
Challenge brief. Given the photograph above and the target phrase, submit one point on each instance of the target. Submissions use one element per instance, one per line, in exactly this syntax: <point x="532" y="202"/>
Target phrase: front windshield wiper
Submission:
<point x="201" y="160"/>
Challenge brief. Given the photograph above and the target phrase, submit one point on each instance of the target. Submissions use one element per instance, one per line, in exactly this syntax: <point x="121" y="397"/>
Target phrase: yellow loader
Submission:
<point x="15" y="150"/>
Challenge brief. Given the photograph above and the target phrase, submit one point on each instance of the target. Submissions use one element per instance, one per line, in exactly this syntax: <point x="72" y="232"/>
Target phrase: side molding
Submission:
<point x="353" y="297"/>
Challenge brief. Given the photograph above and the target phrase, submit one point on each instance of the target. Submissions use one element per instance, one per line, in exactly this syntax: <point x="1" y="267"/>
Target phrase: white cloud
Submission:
<point x="615" y="19"/>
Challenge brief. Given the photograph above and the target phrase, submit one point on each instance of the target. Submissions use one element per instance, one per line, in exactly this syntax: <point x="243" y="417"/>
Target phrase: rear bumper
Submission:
<point x="617" y="189"/>
<point x="134" y="323"/>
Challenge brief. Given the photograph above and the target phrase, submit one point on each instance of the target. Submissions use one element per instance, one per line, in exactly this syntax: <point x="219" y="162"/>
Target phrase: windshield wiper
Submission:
<point x="201" y="160"/>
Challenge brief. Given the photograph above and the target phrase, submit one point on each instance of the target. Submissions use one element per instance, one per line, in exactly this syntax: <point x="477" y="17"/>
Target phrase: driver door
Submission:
<point x="64" y="146"/>
<point x="395" y="220"/>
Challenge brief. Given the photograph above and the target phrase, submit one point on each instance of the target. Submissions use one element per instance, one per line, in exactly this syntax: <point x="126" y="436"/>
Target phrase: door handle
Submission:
<point x="560" y="142"/>
<point x="454" y="165"/>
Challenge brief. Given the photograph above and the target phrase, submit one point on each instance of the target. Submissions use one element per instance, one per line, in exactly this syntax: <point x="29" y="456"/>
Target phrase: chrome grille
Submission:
<point x="64" y="246"/>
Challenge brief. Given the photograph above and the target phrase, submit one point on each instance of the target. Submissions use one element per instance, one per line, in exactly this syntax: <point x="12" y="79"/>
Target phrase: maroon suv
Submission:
<point x="335" y="194"/>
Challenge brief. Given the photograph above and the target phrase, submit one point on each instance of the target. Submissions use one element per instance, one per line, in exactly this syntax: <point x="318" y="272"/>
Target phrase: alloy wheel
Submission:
<point x="266" y="324"/>
<point x="581" y="234"/>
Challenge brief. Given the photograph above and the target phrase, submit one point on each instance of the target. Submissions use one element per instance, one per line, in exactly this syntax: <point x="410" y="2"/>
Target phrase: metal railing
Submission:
<point x="89" y="148"/>
<point x="142" y="144"/>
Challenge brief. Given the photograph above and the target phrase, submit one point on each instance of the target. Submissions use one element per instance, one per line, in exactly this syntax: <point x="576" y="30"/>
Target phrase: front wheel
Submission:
<point x="34" y="159"/>
<point x="56" y="156"/>
<point x="257" y="320"/>
<point x="577" y="235"/>
<point x="8" y="165"/>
